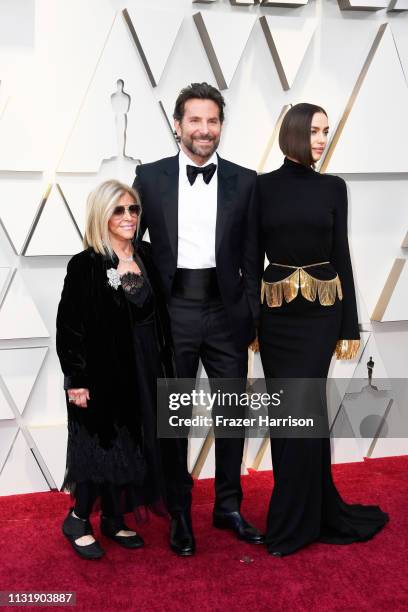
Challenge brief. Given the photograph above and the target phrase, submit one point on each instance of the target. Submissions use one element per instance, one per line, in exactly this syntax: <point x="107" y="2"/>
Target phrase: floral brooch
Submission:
<point x="113" y="277"/>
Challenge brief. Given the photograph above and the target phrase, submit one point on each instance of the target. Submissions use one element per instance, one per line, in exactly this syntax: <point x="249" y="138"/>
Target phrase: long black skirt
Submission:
<point x="126" y="475"/>
<point x="297" y="340"/>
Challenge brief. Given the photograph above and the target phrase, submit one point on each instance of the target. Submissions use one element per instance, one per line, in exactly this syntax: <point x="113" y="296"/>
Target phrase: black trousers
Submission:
<point x="201" y="331"/>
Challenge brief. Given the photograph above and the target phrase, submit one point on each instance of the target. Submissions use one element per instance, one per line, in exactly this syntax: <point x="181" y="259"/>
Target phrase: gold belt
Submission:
<point x="310" y="287"/>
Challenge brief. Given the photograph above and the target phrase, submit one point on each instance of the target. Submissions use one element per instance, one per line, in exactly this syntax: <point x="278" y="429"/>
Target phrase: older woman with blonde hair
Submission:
<point x="113" y="341"/>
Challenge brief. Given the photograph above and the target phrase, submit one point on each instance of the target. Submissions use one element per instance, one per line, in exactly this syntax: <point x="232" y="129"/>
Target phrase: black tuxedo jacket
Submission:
<point x="236" y="242"/>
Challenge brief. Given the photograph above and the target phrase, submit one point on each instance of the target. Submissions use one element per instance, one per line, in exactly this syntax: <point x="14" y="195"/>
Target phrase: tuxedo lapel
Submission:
<point x="227" y="185"/>
<point x="169" y="187"/>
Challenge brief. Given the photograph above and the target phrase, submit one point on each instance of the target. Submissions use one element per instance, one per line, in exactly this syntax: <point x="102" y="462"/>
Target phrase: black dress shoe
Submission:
<point x="74" y="528"/>
<point x="181" y="536"/>
<point x="110" y="527"/>
<point x="236" y="522"/>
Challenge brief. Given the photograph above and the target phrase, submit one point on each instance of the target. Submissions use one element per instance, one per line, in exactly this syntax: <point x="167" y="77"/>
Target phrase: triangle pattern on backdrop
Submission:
<point x="8" y="433"/>
<point x="293" y="3"/>
<point x="224" y="52"/>
<point x="20" y="193"/>
<point x="361" y="408"/>
<point x="19" y="316"/>
<point x="5" y="409"/>
<point x="93" y="137"/>
<point x="345" y="449"/>
<point x="201" y="457"/>
<point x="340" y="380"/>
<point x="362" y="5"/>
<point x="20" y="473"/>
<point x="344" y="444"/>
<point x="398" y="270"/>
<point x="380" y="86"/>
<point x="148" y="26"/>
<point x="21" y="130"/>
<point x="55" y="231"/>
<point x="288" y="40"/>
<point x="398" y="5"/>
<point x="19" y="369"/>
<point x="262" y="460"/>
<point x="396" y="309"/>
<point x="343" y="370"/>
<point x="169" y="121"/>
<point x="49" y="441"/>
<point x="5" y="278"/>
<point x="272" y="157"/>
<point x="75" y="191"/>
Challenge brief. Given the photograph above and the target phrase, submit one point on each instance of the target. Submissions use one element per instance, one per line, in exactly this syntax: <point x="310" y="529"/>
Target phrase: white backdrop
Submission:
<point x="63" y="117"/>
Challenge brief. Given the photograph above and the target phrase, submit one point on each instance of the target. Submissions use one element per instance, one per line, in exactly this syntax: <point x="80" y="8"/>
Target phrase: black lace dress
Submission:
<point x="141" y="303"/>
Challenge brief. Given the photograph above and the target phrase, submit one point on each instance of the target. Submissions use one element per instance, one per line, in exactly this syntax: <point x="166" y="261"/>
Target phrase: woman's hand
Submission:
<point x="79" y="397"/>
<point x="347" y="349"/>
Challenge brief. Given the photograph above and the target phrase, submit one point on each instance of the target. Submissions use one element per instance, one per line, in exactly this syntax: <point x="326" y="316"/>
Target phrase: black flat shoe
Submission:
<point x="181" y="536"/>
<point x="110" y="527"/>
<point x="236" y="523"/>
<point x="74" y="528"/>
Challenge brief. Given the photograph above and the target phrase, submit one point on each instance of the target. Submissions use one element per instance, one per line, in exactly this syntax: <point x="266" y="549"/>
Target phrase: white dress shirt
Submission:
<point x="197" y="214"/>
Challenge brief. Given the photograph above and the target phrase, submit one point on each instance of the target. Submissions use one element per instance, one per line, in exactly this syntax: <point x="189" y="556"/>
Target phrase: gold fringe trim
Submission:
<point x="347" y="349"/>
<point x="310" y="287"/>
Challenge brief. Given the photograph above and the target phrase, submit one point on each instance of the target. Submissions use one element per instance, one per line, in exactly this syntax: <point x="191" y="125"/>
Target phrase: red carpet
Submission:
<point x="365" y="576"/>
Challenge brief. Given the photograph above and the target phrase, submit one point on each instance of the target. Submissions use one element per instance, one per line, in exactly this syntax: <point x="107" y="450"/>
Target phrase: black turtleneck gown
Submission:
<point x="304" y="222"/>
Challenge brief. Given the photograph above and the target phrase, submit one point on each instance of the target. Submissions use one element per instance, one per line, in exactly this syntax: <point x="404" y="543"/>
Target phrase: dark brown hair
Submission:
<point x="202" y="91"/>
<point x="294" y="134"/>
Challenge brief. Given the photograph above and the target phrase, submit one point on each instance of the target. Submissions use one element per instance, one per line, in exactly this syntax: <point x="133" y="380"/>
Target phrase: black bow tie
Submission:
<point x="206" y="171"/>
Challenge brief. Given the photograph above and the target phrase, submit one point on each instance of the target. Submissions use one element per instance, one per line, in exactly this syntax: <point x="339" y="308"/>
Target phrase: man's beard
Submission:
<point x="199" y="151"/>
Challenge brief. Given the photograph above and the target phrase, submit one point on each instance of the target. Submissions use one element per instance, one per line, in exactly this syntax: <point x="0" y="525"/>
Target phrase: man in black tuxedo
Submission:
<point x="201" y="213"/>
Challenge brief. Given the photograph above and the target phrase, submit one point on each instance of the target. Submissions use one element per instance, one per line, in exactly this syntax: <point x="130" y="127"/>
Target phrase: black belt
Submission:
<point x="200" y="284"/>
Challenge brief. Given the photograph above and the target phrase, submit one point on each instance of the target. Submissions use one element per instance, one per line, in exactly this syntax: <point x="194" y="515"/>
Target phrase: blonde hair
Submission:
<point x="100" y="205"/>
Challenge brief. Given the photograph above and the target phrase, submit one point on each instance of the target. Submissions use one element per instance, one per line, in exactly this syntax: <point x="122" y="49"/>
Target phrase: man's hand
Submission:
<point x="79" y="397"/>
<point x="254" y="346"/>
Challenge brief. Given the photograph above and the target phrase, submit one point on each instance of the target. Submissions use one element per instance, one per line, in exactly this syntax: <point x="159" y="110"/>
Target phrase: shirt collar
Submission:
<point x="184" y="160"/>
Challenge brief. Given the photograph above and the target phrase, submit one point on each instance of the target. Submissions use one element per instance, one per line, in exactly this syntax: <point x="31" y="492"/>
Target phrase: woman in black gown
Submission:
<point x="308" y="313"/>
<point x="113" y="341"/>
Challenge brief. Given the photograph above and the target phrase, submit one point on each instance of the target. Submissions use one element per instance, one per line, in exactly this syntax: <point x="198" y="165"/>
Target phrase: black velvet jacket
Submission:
<point x="95" y="340"/>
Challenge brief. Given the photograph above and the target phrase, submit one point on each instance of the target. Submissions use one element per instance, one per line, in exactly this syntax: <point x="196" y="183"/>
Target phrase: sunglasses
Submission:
<point x="133" y="210"/>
